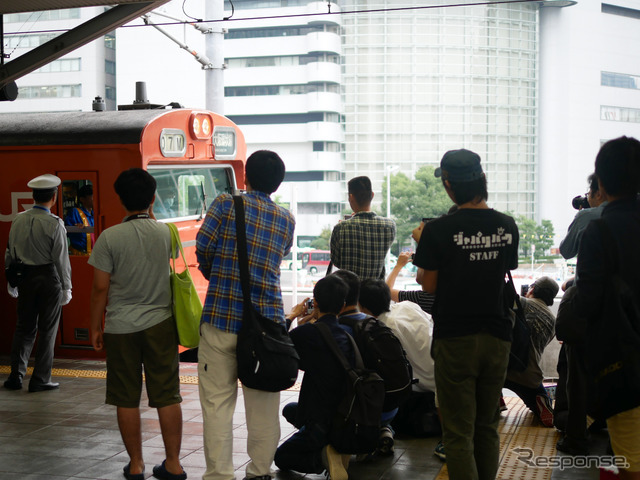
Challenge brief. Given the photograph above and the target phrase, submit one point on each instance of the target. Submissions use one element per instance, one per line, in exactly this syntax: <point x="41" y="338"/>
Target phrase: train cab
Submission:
<point x="194" y="156"/>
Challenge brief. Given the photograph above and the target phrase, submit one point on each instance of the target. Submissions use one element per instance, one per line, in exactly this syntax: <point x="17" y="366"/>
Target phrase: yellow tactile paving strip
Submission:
<point x="519" y="428"/>
<point x="73" y="373"/>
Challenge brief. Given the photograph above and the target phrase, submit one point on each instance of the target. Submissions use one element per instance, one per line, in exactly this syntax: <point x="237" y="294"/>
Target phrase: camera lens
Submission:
<point x="580" y="202"/>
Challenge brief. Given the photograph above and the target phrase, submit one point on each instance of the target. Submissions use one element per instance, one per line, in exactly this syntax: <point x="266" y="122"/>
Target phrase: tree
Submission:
<point x="322" y="242"/>
<point x="413" y="200"/>
<point x="540" y="235"/>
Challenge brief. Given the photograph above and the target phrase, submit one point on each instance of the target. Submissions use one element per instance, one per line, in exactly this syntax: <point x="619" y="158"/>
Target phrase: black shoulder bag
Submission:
<point x="267" y="359"/>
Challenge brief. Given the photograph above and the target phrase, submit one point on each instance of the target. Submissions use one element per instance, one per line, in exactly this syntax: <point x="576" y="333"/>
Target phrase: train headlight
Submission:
<point x="200" y="125"/>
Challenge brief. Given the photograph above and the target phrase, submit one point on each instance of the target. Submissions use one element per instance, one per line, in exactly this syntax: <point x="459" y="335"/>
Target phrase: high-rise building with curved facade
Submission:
<point x="420" y="81"/>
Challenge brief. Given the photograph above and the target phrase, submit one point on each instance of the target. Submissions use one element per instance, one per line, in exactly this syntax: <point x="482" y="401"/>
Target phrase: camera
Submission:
<point x="310" y="305"/>
<point x="524" y="289"/>
<point x="580" y="202"/>
<point x="427" y="220"/>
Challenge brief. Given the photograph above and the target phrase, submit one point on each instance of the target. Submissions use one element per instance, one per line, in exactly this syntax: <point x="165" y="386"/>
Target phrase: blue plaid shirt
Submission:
<point x="269" y="237"/>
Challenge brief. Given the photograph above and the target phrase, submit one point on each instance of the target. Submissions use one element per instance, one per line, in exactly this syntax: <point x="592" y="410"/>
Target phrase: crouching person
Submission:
<point x="308" y="450"/>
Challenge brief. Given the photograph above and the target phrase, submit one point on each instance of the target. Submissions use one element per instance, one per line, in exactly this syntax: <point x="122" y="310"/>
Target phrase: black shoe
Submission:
<point x="13" y="383"/>
<point x="126" y="471"/>
<point x="41" y="387"/>
<point x="161" y="472"/>
<point x="571" y="447"/>
<point x="261" y="477"/>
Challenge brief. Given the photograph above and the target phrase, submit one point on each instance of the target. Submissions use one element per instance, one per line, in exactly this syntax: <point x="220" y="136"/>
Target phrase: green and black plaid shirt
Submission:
<point x="360" y="244"/>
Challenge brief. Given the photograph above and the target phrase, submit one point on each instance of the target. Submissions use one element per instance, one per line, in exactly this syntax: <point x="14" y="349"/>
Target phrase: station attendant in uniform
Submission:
<point x="82" y="216"/>
<point x="38" y="239"/>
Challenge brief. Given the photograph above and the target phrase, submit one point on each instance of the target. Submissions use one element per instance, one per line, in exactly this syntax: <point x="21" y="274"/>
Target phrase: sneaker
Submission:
<point x="545" y="410"/>
<point x="503" y="405"/>
<point x="385" y="442"/>
<point x="334" y="464"/>
<point x="439" y="451"/>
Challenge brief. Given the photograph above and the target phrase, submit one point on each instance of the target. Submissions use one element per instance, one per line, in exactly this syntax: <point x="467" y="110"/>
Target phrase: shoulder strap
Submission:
<point x="333" y="346"/>
<point x="175" y="242"/>
<point x="241" y="246"/>
<point x="516" y="296"/>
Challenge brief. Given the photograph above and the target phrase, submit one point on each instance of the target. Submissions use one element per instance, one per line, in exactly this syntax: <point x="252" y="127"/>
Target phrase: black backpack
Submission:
<point x="355" y="427"/>
<point x="382" y="352"/>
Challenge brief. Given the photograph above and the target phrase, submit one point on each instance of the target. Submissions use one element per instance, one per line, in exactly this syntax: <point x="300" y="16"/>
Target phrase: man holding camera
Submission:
<point x="590" y="206"/>
<point x="308" y="450"/>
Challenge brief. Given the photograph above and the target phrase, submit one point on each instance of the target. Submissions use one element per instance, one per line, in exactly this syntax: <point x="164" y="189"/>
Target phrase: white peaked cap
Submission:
<point x="44" y="182"/>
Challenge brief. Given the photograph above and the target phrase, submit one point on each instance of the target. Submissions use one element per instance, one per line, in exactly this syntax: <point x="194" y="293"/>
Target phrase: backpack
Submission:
<point x="382" y="352"/>
<point x="355" y="427"/>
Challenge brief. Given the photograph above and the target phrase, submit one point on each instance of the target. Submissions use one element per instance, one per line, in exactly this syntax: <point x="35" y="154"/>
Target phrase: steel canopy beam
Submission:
<point x="74" y="38"/>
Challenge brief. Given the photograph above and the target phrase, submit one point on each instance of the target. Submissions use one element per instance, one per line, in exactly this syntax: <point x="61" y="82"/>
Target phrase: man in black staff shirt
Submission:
<point x="464" y="258"/>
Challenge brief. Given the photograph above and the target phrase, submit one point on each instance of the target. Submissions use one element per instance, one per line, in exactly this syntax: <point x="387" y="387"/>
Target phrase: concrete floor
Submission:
<point x="71" y="434"/>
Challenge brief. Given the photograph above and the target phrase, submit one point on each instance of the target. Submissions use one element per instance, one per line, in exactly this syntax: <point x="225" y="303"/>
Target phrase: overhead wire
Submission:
<point x="302" y="15"/>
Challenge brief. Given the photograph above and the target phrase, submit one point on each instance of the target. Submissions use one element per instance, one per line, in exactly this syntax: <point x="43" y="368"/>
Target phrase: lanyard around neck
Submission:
<point x="137" y="216"/>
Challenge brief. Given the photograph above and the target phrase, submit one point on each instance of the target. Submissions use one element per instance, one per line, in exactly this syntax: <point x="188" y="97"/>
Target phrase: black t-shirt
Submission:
<point x="471" y="249"/>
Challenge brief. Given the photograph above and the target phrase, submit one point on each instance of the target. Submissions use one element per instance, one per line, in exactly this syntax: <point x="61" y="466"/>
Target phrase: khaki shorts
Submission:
<point x="157" y="349"/>
<point x="624" y="431"/>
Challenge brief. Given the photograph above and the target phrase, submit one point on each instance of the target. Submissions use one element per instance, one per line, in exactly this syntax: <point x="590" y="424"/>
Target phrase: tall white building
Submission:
<point x="589" y="93"/>
<point x="69" y="83"/>
<point x="283" y="88"/>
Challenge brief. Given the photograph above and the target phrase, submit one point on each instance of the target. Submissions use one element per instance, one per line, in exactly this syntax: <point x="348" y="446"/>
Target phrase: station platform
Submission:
<point x="70" y="434"/>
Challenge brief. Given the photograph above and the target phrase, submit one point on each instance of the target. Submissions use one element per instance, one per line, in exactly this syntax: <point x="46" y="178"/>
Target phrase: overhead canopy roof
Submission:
<point x="123" y="11"/>
<point x="19" y="6"/>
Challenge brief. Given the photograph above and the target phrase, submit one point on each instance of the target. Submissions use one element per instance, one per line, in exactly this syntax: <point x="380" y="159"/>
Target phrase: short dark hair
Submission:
<point x="465" y="192"/>
<point x="264" y="171"/>
<point x="375" y="296"/>
<point x="546" y="289"/>
<point x="329" y="293"/>
<point x="360" y="188"/>
<point x="618" y="167"/>
<point x="353" y="282"/>
<point x="85" y="191"/>
<point x="593" y="182"/>
<point x="136" y="188"/>
<point x="44" y="196"/>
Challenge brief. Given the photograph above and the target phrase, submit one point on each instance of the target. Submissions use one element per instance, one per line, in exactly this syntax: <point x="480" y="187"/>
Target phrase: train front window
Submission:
<point x="188" y="191"/>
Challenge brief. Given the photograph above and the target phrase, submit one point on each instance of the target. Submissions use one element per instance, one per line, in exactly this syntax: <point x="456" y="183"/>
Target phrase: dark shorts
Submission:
<point x="155" y="348"/>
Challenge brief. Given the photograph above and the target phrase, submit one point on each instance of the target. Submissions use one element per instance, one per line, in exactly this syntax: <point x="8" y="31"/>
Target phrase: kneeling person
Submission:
<point x="308" y="450"/>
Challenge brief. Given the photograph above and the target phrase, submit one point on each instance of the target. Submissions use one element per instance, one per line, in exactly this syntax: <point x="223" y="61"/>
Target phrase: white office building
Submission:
<point x="69" y="83"/>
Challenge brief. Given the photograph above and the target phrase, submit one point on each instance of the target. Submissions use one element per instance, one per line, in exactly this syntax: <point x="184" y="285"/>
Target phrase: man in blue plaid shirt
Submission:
<point x="360" y="244"/>
<point x="269" y="230"/>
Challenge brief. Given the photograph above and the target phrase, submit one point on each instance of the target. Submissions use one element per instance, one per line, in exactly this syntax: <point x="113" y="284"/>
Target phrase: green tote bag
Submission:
<point x="187" y="307"/>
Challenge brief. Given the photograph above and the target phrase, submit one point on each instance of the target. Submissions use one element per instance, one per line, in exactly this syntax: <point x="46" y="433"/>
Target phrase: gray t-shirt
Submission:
<point x="136" y="254"/>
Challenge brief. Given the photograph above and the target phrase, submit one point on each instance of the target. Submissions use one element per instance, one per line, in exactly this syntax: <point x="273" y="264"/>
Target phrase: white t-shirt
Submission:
<point x="136" y="254"/>
<point x="414" y="329"/>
